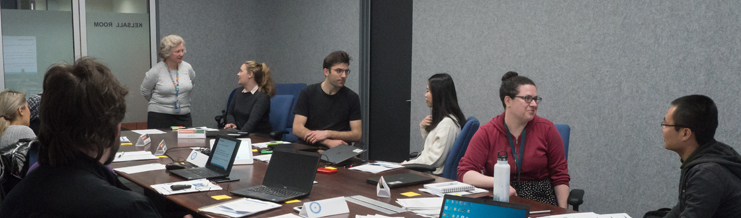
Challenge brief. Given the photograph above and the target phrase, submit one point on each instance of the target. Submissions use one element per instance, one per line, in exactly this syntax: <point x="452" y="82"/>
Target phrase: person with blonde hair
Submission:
<point x="249" y="110"/>
<point x="167" y="86"/>
<point x="14" y="118"/>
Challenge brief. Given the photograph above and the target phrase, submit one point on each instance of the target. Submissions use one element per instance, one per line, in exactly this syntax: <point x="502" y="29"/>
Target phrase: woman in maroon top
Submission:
<point x="543" y="173"/>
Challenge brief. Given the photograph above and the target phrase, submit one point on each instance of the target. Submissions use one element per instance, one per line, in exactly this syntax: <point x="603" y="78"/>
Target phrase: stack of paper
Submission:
<point x="265" y="144"/>
<point x="134" y="155"/>
<point x="141" y="168"/>
<point x="264" y="157"/>
<point x="377" y="167"/>
<point x="199" y="185"/>
<point x="427" y="207"/>
<point x="148" y="131"/>
<point x="240" y="207"/>
<point x="474" y="191"/>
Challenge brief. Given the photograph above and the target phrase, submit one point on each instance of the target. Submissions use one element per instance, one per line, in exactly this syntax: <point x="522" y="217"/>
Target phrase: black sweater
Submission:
<point x="251" y="113"/>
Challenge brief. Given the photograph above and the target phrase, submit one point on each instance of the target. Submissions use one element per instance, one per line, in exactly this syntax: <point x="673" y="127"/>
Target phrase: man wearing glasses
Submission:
<point x="710" y="183"/>
<point x="328" y="113"/>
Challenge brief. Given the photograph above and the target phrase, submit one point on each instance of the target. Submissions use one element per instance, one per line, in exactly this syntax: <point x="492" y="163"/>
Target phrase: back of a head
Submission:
<point x="337" y="57"/>
<point x="699" y="114"/>
<point x="511" y="83"/>
<point x="262" y="75"/>
<point x="82" y="107"/>
<point x="10" y="102"/>
<point x="444" y="100"/>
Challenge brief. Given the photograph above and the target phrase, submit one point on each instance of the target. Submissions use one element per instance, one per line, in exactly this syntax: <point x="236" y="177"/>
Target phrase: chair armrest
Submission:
<point x="420" y="167"/>
<point x="277" y="135"/>
<point x="576" y="198"/>
<point x="413" y="154"/>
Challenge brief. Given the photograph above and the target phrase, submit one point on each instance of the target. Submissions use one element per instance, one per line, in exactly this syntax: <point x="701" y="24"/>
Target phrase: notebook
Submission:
<point x="340" y="153"/>
<point x="290" y="175"/>
<point x="464" y="207"/>
<point x="219" y="163"/>
<point x="447" y="187"/>
<point x="401" y="180"/>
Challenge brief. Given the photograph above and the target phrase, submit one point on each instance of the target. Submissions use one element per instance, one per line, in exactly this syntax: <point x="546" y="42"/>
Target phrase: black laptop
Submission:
<point x="464" y="207"/>
<point x="290" y="175"/>
<point x="219" y="163"/>
<point x="401" y="180"/>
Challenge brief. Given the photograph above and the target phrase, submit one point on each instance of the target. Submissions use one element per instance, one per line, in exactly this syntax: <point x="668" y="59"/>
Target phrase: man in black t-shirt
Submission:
<point x="328" y="113"/>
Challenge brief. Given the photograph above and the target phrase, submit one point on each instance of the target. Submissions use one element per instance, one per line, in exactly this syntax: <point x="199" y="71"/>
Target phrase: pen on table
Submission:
<point x="540" y="211"/>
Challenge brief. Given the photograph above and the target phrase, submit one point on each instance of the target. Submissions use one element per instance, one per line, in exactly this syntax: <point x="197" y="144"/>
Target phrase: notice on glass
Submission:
<point x="19" y="54"/>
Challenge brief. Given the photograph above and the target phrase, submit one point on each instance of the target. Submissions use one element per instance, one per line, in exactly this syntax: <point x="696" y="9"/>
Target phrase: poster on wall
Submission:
<point x="19" y="54"/>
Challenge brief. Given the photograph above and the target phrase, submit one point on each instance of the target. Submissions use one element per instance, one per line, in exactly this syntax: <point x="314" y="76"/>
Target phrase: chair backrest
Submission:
<point x="565" y="131"/>
<point x="290" y="89"/>
<point x="459" y="148"/>
<point x="280" y="111"/>
<point x="229" y="101"/>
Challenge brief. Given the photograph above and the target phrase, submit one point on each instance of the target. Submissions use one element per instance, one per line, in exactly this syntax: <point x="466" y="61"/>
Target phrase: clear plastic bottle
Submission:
<point x="501" y="178"/>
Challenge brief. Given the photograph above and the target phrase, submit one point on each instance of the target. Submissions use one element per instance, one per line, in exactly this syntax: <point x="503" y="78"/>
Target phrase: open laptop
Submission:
<point x="464" y="207"/>
<point x="340" y="153"/>
<point x="290" y="175"/>
<point x="219" y="163"/>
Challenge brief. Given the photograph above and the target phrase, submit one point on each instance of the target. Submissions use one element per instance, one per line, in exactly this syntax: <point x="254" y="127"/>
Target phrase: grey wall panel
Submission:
<point x="292" y="37"/>
<point x="607" y="68"/>
<point x="300" y="34"/>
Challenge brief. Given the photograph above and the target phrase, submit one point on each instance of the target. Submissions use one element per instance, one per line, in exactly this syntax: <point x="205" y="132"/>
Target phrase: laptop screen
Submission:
<point x="223" y="153"/>
<point x="292" y="169"/>
<point x="463" y="207"/>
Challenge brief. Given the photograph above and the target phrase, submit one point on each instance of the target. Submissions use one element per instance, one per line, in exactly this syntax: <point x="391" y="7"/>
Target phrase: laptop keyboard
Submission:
<point x="203" y="172"/>
<point x="274" y="191"/>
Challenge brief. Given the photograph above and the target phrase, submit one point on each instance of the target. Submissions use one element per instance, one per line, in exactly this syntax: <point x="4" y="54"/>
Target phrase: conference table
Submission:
<point x="343" y="183"/>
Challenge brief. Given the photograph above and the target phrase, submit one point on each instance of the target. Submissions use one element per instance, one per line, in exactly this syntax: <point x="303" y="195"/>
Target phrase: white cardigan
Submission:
<point x="437" y="144"/>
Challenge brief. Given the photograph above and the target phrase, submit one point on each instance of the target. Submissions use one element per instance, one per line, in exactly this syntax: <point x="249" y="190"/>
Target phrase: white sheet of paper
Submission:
<point x="148" y="131"/>
<point x="241" y="207"/>
<point x="375" y="167"/>
<point x="326" y="207"/>
<point x="141" y="168"/>
<point x="288" y="215"/>
<point x="199" y="185"/>
<point x="134" y="155"/>
<point x="265" y="144"/>
<point x="474" y="191"/>
<point x="264" y="157"/>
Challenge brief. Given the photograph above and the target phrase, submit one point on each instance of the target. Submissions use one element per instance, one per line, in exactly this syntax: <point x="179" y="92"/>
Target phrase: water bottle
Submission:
<point x="501" y="178"/>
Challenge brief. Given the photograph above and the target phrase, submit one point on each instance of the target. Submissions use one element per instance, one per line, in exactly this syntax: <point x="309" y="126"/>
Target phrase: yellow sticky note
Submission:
<point x="254" y="150"/>
<point x="331" y="168"/>
<point x="458" y="195"/>
<point x="126" y="143"/>
<point x="410" y="194"/>
<point x="220" y="197"/>
<point x="162" y="156"/>
<point x="293" y="201"/>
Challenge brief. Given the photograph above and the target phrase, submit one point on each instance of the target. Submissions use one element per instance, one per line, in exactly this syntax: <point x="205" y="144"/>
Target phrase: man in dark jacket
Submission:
<point x="710" y="181"/>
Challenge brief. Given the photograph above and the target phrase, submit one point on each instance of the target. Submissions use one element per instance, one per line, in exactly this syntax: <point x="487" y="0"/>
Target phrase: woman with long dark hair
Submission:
<point x="441" y="128"/>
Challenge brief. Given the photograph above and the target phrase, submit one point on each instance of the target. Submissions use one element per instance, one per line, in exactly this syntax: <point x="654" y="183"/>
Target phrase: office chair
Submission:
<point x="295" y="90"/>
<point x="456" y="151"/>
<point x="280" y="111"/>
<point x="221" y="119"/>
<point x="576" y="196"/>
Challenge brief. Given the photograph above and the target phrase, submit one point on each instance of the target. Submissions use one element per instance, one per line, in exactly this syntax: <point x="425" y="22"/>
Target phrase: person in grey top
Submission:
<point x="710" y="179"/>
<point x="167" y="86"/>
<point x="14" y="119"/>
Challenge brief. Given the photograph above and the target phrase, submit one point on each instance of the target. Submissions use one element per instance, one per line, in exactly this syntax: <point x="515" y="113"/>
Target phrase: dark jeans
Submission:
<point x="165" y="121"/>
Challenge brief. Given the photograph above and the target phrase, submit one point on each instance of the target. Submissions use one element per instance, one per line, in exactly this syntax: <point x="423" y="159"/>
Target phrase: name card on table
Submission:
<point x="198" y="158"/>
<point x="326" y="207"/>
<point x="192" y="133"/>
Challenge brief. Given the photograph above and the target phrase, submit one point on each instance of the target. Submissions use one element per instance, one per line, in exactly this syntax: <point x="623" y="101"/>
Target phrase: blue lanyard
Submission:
<point x="175" y="82"/>
<point x="518" y="159"/>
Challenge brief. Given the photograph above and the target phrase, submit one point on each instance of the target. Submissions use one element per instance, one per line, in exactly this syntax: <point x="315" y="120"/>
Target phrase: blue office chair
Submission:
<point x="280" y="111"/>
<point x="456" y="152"/>
<point x="221" y="119"/>
<point x="576" y="196"/>
<point x="295" y="90"/>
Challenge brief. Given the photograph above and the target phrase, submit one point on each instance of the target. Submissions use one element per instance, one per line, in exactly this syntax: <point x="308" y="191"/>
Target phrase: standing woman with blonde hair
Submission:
<point x="250" y="107"/>
<point x="167" y="86"/>
<point x="14" y="118"/>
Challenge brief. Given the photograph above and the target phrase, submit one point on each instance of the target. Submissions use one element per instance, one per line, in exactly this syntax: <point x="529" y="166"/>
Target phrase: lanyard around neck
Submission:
<point x="175" y="82"/>
<point x="518" y="158"/>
